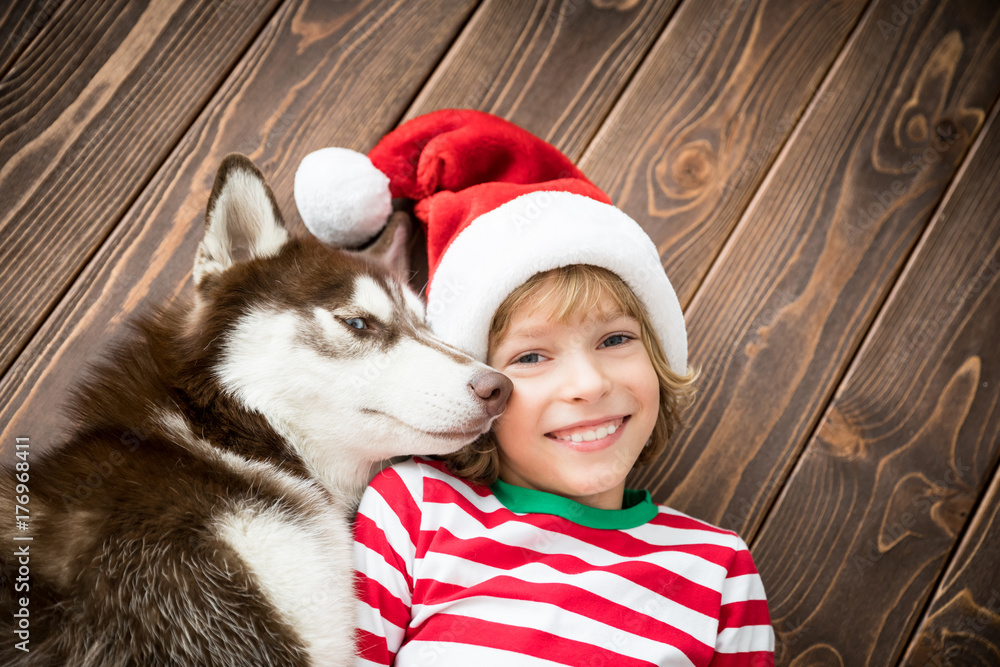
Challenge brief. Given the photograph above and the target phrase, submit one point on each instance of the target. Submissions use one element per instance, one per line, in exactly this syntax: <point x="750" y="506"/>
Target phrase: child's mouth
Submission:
<point x="591" y="437"/>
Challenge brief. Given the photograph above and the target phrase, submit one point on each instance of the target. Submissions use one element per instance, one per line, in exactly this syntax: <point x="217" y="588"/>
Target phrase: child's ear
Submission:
<point x="242" y="222"/>
<point x="392" y="248"/>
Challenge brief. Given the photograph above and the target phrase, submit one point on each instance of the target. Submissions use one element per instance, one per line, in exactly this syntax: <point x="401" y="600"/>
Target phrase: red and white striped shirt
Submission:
<point x="452" y="573"/>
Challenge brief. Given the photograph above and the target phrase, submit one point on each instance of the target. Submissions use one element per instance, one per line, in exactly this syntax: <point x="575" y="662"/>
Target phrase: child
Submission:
<point x="527" y="542"/>
<point x="525" y="548"/>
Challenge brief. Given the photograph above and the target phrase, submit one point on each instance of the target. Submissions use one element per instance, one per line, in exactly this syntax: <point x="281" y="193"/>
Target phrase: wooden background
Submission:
<point x="821" y="178"/>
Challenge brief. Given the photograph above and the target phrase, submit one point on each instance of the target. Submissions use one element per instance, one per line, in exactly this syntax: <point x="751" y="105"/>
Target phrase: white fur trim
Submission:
<point x="342" y="197"/>
<point x="536" y="232"/>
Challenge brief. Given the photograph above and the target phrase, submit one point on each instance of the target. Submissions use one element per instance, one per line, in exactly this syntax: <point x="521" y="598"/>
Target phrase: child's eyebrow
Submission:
<point x="526" y="332"/>
<point x="539" y="330"/>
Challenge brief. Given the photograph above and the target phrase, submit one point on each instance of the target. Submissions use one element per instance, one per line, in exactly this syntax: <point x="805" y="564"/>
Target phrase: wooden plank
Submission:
<point x="963" y="623"/>
<point x="318" y="74"/>
<point x="699" y="126"/>
<point x="888" y="482"/>
<point x="796" y="287"/>
<point x="553" y="67"/>
<point x="20" y="22"/>
<point x="93" y="107"/>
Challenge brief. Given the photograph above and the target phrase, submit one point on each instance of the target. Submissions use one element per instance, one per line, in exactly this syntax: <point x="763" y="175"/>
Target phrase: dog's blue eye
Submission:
<point x="356" y="322"/>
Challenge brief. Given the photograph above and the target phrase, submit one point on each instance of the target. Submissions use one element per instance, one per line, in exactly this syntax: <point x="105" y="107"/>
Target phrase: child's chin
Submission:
<point x="592" y="485"/>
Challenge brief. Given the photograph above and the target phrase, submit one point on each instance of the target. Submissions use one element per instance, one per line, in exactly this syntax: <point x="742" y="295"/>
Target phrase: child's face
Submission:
<point x="584" y="378"/>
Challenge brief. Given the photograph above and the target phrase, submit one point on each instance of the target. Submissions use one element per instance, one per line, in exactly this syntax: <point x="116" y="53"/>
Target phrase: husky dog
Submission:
<point x="200" y="515"/>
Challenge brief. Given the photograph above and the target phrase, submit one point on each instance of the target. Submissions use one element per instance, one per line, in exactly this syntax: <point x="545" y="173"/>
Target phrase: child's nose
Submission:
<point x="586" y="380"/>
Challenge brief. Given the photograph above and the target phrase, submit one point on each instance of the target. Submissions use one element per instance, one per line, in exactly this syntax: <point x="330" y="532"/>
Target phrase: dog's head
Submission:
<point x="330" y="346"/>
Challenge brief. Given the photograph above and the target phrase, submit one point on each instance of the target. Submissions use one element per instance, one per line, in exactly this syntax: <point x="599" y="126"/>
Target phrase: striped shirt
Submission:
<point x="452" y="573"/>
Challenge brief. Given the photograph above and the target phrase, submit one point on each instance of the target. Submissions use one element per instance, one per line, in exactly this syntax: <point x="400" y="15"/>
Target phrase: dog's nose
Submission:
<point x="494" y="389"/>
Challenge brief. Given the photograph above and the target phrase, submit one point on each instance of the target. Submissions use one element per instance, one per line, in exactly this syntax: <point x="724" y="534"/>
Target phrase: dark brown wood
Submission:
<point x="696" y="131"/>
<point x="20" y="22"/>
<point x="553" y="67"/>
<point x="93" y="107"/>
<point x="888" y="482"/>
<point x="796" y="287"/>
<point x="789" y="159"/>
<point x="319" y="74"/>
<point x="963" y="623"/>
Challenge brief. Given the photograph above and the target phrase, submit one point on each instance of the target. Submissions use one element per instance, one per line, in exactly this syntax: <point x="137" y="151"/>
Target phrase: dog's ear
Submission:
<point x="243" y="221"/>
<point x="392" y="247"/>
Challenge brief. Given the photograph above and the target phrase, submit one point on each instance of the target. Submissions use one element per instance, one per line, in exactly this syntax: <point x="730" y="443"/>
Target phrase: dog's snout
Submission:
<point x="494" y="390"/>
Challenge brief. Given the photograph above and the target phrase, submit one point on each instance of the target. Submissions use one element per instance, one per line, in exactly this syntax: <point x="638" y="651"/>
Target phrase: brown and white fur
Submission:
<point x="201" y="513"/>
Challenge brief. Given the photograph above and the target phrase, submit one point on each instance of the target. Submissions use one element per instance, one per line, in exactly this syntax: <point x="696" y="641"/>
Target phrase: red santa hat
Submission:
<point x="498" y="205"/>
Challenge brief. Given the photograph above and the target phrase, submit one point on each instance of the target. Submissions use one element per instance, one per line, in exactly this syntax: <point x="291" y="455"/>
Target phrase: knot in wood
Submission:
<point x="693" y="165"/>
<point x="946" y="130"/>
<point x="916" y="129"/>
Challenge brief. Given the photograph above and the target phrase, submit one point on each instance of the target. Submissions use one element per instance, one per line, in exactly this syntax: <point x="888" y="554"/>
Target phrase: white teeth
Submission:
<point x="589" y="436"/>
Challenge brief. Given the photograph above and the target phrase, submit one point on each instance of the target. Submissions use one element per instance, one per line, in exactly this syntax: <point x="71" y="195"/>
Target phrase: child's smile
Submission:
<point x="591" y="435"/>
<point x="585" y="400"/>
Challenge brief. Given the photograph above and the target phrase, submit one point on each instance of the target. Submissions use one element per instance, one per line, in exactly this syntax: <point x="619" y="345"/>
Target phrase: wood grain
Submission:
<point x="803" y="167"/>
<point x="318" y="74"/>
<point x="797" y="285"/>
<point x="693" y="136"/>
<point x="962" y="625"/>
<point x="20" y="22"/>
<point x="92" y="109"/>
<point x="554" y="67"/>
<point x="887" y="484"/>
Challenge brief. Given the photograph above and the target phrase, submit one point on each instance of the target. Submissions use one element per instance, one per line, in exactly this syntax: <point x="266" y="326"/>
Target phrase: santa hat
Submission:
<point x="498" y="205"/>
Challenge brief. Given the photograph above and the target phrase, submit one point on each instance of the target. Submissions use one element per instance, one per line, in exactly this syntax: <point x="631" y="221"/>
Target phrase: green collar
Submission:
<point x="637" y="507"/>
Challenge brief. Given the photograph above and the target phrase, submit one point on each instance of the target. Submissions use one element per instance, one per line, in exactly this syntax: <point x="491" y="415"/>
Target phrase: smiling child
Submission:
<point x="525" y="547"/>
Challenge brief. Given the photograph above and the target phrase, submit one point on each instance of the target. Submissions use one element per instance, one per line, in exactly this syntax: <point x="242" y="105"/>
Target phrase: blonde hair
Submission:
<point x="569" y="292"/>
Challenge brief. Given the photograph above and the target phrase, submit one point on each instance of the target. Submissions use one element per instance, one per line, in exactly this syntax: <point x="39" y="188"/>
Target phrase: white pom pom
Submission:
<point x="342" y="197"/>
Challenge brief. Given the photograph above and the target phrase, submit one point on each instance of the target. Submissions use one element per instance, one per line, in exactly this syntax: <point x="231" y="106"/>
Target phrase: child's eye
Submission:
<point x="529" y="358"/>
<point x="614" y="340"/>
